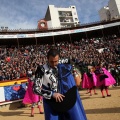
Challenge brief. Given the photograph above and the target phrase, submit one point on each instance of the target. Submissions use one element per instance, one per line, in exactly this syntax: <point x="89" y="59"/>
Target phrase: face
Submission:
<point x="92" y="69"/>
<point x="53" y="61"/>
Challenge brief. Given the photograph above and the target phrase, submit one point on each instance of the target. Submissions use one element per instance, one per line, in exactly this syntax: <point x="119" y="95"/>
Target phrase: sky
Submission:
<point x="25" y="14"/>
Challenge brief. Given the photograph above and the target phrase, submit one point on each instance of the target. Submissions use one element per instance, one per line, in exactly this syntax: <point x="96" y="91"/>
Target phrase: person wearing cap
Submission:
<point x="54" y="82"/>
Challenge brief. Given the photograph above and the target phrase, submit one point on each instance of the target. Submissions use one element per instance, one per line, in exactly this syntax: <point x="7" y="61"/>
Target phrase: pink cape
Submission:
<point x="30" y="97"/>
<point x="107" y="81"/>
<point x="89" y="82"/>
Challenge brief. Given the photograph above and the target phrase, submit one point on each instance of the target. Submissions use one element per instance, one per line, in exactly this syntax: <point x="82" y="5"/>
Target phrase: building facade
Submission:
<point x="111" y="12"/>
<point x="104" y="14"/>
<point x="114" y="7"/>
<point x="61" y="17"/>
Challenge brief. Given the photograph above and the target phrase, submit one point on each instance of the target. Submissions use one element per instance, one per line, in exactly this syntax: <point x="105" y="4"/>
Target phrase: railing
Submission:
<point x="58" y="28"/>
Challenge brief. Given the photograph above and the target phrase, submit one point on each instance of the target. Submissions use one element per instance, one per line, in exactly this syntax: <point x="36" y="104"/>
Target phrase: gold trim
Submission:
<point x="9" y="83"/>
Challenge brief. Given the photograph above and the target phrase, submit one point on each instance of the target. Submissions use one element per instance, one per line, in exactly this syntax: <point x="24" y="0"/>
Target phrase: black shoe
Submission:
<point x="108" y="95"/>
<point x="103" y="96"/>
<point x="95" y="93"/>
<point x="87" y="92"/>
<point x="32" y="116"/>
<point x="41" y="112"/>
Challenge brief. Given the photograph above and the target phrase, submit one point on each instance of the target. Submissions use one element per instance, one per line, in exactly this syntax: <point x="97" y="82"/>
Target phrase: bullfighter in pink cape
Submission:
<point x="31" y="98"/>
<point x="89" y="81"/>
<point x="104" y="79"/>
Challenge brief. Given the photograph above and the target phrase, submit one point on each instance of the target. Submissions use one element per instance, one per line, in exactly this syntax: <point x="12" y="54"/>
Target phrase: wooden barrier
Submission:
<point x="13" y="82"/>
<point x="9" y="86"/>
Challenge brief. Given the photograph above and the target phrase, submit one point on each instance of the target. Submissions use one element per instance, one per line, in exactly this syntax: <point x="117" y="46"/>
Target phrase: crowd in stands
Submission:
<point x="21" y="62"/>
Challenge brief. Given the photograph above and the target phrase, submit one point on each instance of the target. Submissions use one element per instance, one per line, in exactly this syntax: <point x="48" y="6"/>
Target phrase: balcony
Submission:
<point x="66" y="20"/>
<point x="65" y="14"/>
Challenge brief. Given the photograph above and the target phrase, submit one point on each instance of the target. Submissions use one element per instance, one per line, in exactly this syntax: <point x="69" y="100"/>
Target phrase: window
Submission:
<point x="76" y="19"/>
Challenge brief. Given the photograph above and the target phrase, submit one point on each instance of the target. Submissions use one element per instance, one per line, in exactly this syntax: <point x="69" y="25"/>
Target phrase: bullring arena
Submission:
<point x="96" y="108"/>
<point x="22" y="50"/>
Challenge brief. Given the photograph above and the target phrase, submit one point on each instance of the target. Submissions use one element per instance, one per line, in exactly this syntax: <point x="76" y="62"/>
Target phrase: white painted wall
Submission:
<point x="74" y="14"/>
<point x="118" y="5"/>
<point x="2" y="94"/>
<point x="55" y="20"/>
<point x="114" y="7"/>
<point x="54" y="16"/>
<point x="104" y="13"/>
<point x="49" y="24"/>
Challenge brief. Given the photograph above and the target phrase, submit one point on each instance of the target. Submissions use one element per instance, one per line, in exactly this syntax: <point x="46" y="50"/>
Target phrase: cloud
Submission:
<point x="25" y="14"/>
<point x="88" y="10"/>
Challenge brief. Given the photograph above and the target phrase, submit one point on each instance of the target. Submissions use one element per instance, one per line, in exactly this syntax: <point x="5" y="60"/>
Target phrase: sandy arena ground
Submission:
<point x="96" y="108"/>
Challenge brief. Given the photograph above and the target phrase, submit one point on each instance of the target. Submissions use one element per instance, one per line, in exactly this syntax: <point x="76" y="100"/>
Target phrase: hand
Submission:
<point x="58" y="97"/>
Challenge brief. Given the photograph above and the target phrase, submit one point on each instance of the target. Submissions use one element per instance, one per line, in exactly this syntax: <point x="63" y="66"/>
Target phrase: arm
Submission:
<point x="38" y="89"/>
<point x="77" y="76"/>
<point x="37" y="86"/>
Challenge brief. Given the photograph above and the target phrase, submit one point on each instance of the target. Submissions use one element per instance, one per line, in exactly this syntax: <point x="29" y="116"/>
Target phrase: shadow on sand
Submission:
<point x="13" y="113"/>
<point x="103" y="110"/>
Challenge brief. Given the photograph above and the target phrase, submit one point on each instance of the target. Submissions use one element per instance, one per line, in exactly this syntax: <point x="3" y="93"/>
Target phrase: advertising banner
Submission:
<point x="113" y="24"/>
<point x="58" y="32"/>
<point x="2" y="36"/>
<point x="14" y="92"/>
<point x="21" y="36"/>
<point x="8" y="36"/>
<point x="2" y="95"/>
<point x="30" y="35"/>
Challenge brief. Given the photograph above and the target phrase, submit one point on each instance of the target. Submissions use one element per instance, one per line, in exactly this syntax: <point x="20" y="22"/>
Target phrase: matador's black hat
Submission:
<point x="68" y="101"/>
